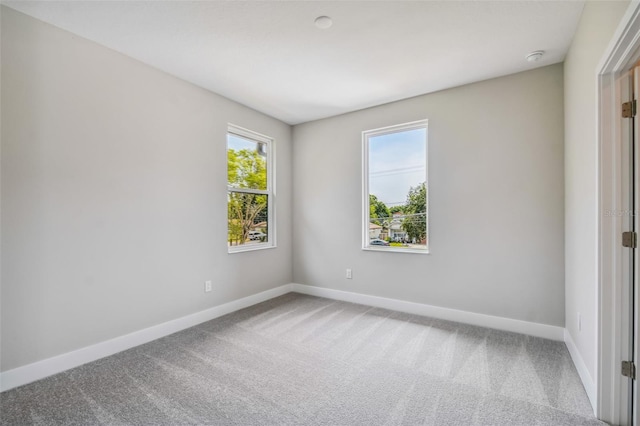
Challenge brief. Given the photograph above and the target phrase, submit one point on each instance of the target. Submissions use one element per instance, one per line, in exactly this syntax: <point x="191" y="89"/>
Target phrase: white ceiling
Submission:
<point x="270" y="56"/>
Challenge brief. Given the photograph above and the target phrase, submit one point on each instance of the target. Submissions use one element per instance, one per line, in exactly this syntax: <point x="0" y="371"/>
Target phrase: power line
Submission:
<point x="397" y="171"/>
<point x="397" y="217"/>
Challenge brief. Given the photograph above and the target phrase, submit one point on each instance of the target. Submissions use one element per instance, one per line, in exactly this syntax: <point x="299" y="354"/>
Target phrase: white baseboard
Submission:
<point x="499" y="323"/>
<point x="583" y="371"/>
<point x="41" y="369"/>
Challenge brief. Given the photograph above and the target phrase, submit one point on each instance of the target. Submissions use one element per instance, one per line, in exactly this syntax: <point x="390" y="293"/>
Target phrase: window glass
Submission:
<point x="249" y="195"/>
<point x="395" y="188"/>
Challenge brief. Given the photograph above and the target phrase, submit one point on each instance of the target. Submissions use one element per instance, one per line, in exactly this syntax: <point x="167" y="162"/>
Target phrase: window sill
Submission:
<point x="243" y="249"/>
<point x="396" y="250"/>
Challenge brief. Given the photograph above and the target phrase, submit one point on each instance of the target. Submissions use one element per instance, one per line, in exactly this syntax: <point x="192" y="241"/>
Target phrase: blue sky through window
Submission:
<point x="237" y="143"/>
<point x="397" y="162"/>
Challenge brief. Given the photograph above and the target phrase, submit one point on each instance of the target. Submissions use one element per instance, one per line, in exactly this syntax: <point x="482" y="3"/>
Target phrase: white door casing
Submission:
<point x="614" y="317"/>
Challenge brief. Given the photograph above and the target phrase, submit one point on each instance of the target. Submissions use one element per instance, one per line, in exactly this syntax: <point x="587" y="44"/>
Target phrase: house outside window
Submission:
<point x="250" y="195"/>
<point x="395" y="188"/>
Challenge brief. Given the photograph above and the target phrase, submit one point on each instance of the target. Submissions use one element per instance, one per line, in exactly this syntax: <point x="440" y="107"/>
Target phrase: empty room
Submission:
<point x="319" y="212"/>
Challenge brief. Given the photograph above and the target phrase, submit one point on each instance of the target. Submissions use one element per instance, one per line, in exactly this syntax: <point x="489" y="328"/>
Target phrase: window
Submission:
<point x="395" y="207"/>
<point x="250" y="197"/>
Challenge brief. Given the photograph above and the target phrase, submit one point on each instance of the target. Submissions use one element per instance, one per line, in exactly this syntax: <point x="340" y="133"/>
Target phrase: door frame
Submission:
<point x="620" y="55"/>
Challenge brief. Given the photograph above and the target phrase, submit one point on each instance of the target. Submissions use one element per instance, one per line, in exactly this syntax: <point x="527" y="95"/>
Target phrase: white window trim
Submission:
<point x="420" y="124"/>
<point x="270" y="191"/>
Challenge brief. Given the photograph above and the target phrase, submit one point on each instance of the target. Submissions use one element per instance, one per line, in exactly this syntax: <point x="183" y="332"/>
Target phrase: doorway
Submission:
<point x="618" y="201"/>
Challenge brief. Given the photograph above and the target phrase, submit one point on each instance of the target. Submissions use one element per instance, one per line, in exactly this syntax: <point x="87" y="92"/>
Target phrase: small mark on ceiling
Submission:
<point x="535" y="56"/>
<point x="323" y="22"/>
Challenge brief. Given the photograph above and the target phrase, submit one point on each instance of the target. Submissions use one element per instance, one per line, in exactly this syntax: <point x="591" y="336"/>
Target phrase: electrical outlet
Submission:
<point x="579" y="322"/>
<point x="207" y="286"/>
<point x="349" y="276"/>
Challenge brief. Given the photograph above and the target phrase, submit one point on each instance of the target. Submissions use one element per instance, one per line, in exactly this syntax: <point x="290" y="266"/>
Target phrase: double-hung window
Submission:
<point x="395" y="186"/>
<point x="250" y="195"/>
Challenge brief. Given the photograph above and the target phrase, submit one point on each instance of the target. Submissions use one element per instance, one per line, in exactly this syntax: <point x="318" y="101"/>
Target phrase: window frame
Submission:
<point x="366" y="135"/>
<point x="269" y="191"/>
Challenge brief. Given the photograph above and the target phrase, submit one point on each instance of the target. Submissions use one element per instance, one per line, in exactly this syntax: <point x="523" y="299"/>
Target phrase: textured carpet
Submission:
<point x="311" y="361"/>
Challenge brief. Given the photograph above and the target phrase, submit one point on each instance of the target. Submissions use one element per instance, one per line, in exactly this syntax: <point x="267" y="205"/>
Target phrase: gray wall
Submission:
<point x="114" y="195"/>
<point x="496" y="201"/>
<point x="597" y="25"/>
